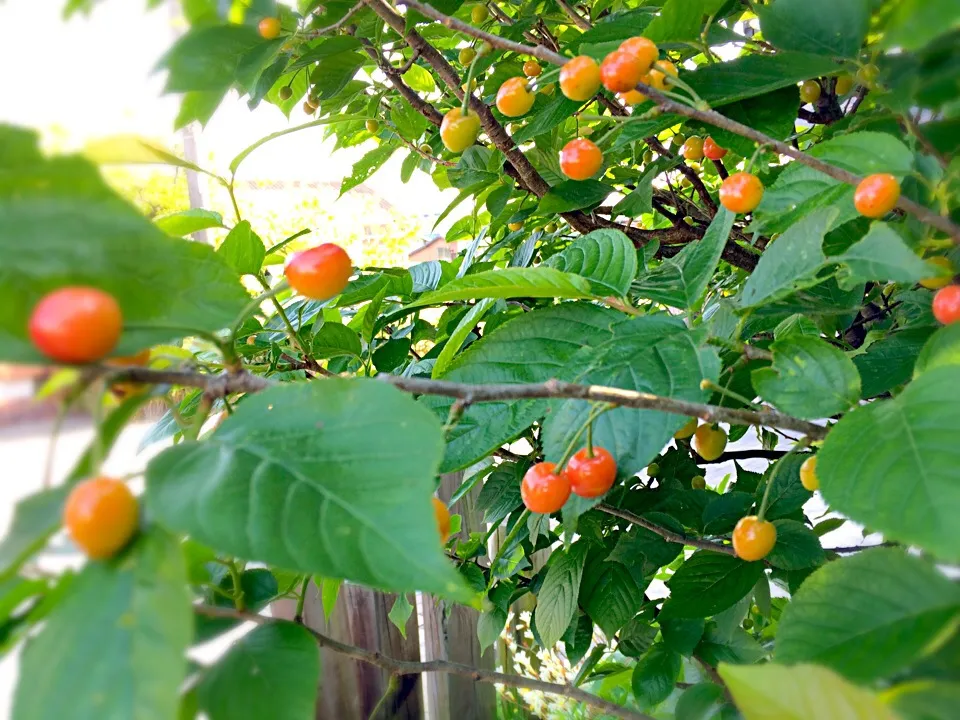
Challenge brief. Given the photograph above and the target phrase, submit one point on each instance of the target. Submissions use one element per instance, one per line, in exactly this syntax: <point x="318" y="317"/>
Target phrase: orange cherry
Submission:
<point x="580" y="78"/>
<point x="76" y="324"/>
<point x="580" y="159"/>
<point x="591" y="475"/>
<point x="712" y="151"/>
<point x="269" y="28"/>
<point x="620" y="71"/>
<point x="514" y="97"/>
<point x="531" y="68"/>
<point x="101" y="516"/>
<point x="442" y="515"/>
<point x="320" y="272"/>
<point x="741" y="192"/>
<point x="644" y="50"/>
<point x="753" y="538"/>
<point x="876" y="195"/>
<point x="543" y="490"/>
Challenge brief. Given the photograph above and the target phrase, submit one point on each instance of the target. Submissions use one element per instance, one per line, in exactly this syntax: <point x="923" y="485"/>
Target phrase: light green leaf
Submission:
<point x="915" y="23"/>
<point x="925" y="700"/>
<point x="606" y="258"/>
<point x="942" y="349"/>
<point x="654" y="354"/>
<point x="135" y="610"/>
<point x="242" y="249"/>
<point x="133" y="150"/>
<point x="791" y="262"/>
<point x="400" y="613"/>
<point x="639" y="200"/>
<point x="557" y="599"/>
<point x="679" y="20"/>
<point x="332" y="73"/>
<point x="905" y="485"/>
<point x="508" y="283"/>
<point x="419" y="79"/>
<point x="680" y="281"/>
<point x="460" y="333"/>
<point x="801" y="692"/>
<point x="207" y="58"/>
<point x="359" y="512"/>
<point x="708" y="583"/>
<point x="552" y="114"/>
<point x="818" y="26"/>
<point x="328" y="596"/>
<point x="189" y="221"/>
<point x="533" y="347"/>
<point x="868" y="615"/>
<point x="335" y="340"/>
<point x="366" y="166"/>
<point x="881" y="255"/>
<point x="801" y="362"/>
<point x="797" y="547"/>
<point x="60" y="224"/>
<point x="654" y="676"/>
<point x="273" y="661"/>
<point x="573" y="195"/>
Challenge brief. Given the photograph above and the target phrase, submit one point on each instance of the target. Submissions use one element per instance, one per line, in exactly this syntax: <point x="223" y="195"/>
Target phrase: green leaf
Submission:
<point x="557" y="598"/>
<point x="609" y="594"/>
<point x="547" y="118"/>
<point x="509" y="283"/>
<point x="400" y="613"/>
<point x="797" y="548"/>
<point x="654" y="354"/>
<point x="925" y="700"/>
<point x="366" y="166"/>
<point x="818" y="26"/>
<point x="707" y="583"/>
<point x="335" y="340"/>
<point x="419" y="79"/>
<point x="639" y="201"/>
<point x="801" y="692"/>
<point x="578" y="638"/>
<point x="773" y="114"/>
<point x="639" y="545"/>
<point x="606" y="258"/>
<point x="801" y="362"/>
<point x="724" y="511"/>
<point x="135" y="610"/>
<point x="655" y="674"/>
<point x="700" y="702"/>
<point x="787" y="495"/>
<point x="500" y="494"/>
<point x="679" y="20"/>
<point x="490" y="627"/>
<point x="636" y="637"/>
<point x="332" y="73"/>
<point x="207" y="58"/>
<point x="460" y="333"/>
<point x="533" y="347"/>
<point x="273" y="661"/>
<point x="739" y="648"/>
<point x="186" y="222"/>
<point x="60" y="224"/>
<point x="915" y="23"/>
<point x="881" y="255"/>
<point x="905" y="485"/>
<point x="791" y="262"/>
<point x="328" y="596"/>
<point x="942" y="349"/>
<point x="868" y="615"/>
<point x="682" y="634"/>
<point x="332" y="507"/>
<point x="259" y="587"/>
<point x="681" y="280"/>
<point x="890" y="361"/>
<point x="573" y="195"/>
<point x="242" y="249"/>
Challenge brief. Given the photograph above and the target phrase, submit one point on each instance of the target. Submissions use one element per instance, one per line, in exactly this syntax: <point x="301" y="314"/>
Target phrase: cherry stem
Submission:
<point x="596" y="412"/>
<point x="590" y="440"/>
<point x="730" y="393"/>
<point x="467" y="93"/>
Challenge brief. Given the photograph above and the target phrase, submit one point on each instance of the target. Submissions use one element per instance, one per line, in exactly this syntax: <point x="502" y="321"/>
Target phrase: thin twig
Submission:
<point x="668" y="535"/>
<point x="578" y="19"/>
<point x="405" y="667"/>
<point x="338" y="24"/>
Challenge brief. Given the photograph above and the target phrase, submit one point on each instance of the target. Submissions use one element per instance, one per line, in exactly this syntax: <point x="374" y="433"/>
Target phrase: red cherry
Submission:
<point x="543" y="490"/>
<point x="76" y="324"/>
<point x="592" y="475"/>
<point x="946" y="304"/>
<point x="321" y="272"/>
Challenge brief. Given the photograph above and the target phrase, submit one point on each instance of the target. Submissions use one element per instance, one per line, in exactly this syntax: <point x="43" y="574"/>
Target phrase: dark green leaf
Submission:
<point x="905" y="484"/>
<point x="242" y="249"/>
<point x="737" y="649"/>
<point x="797" y="547"/>
<point x="787" y="494"/>
<point x="135" y="611"/>
<point x="609" y="594"/>
<point x="242" y="491"/>
<point x="800" y="362"/>
<point x="700" y="702"/>
<point x="708" y="583"/>
<point x="882" y="255"/>
<point x="273" y="661"/>
<point x="868" y="615"/>
<point x="578" y="638"/>
<point x="547" y="118"/>
<point x="636" y="637"/>
<point x="606" y="258"/>
<point x="259" y="587"/>
<point x="335" y="340"/>
<point x="573" y="195"/>
<point x="723" y="512"/>
<point x="638" y="201"/>
<point x="640" y="546"/>
<point x="682" y="635"/>
<point x="557" y="599"/>
<point x="889" y="361"/>
<point x="500" y="494"/>
<point x="655" y="675"/>
<point x="818" y="26"/>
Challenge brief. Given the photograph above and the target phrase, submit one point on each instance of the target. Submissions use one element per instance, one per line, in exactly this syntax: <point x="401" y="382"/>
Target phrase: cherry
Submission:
<point x="693" y="148"/>
<point x="844" y="84"/>
<point x="320" y="272"/>
<point x="620" y="71"/>
<point x="687" y="430"/>
<point x="867" y="75"/>
<point x="531" y="68"/>
<point x="543" y="490"/>
<point x="442" y="515"/>
<point x="591" y="475"/>
<point x="514" y="226"/>
<point x="698" y="482"/>
<point x="550" y="227"/>
<point x="935" y="282"/>
<point x="479" y="14"/>
<point x="467" y="55"/>
<point x="458" y="131"/>
<point x="809" y="91"/>
<point x="876" y="195"/>
<point x="808" y="474"/>
<point x="484" y="49"/>
<point x="285" y="93"/>
<point x="633" y="97"/>
<point x="580" y="159"/>
<point x="580" y="78"/>
<point x="372" y="126"/>
<point x="712" y="151"/>
<point x="426" y="149"/>
<point x="659" y="74"/>
<point x="76" y="324"/>
<point x="514" y="97"/>
<point x="644" y="50"/>
<point x="753" y="538"/>
<point x="946" y="304"/>
<point x="709" y="442"/>
<point x="308" y="109"/>
<point x="741" y="192"/>
<point x="269" y="28"/>
<point x="101" y="516"/>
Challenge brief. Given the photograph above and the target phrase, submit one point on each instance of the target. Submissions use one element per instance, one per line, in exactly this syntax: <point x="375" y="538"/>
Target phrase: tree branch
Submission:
<point x="711" y="117"/>
<point x="338" y="24"/>
<point x="747" y="455"/>
<point x="406" y="667"/>
<point x="668" y="535"/>
<point x="578" y="20"/>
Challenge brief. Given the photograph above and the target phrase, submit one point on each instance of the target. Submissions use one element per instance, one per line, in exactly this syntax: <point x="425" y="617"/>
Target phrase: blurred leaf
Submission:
<point x="242" y="249"/>
<point x="819" y="26"/>
<point x="188" y="222"/>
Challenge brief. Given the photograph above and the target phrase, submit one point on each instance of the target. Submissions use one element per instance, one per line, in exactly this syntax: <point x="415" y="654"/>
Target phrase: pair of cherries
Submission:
<point x="589" y="473"/>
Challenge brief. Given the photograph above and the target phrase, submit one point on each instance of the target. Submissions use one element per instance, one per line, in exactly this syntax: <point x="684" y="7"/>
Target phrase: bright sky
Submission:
<point x="93" y="77"/>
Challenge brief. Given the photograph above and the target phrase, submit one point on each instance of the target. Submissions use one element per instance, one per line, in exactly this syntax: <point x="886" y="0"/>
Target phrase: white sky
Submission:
<point x="93" y="77"/>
